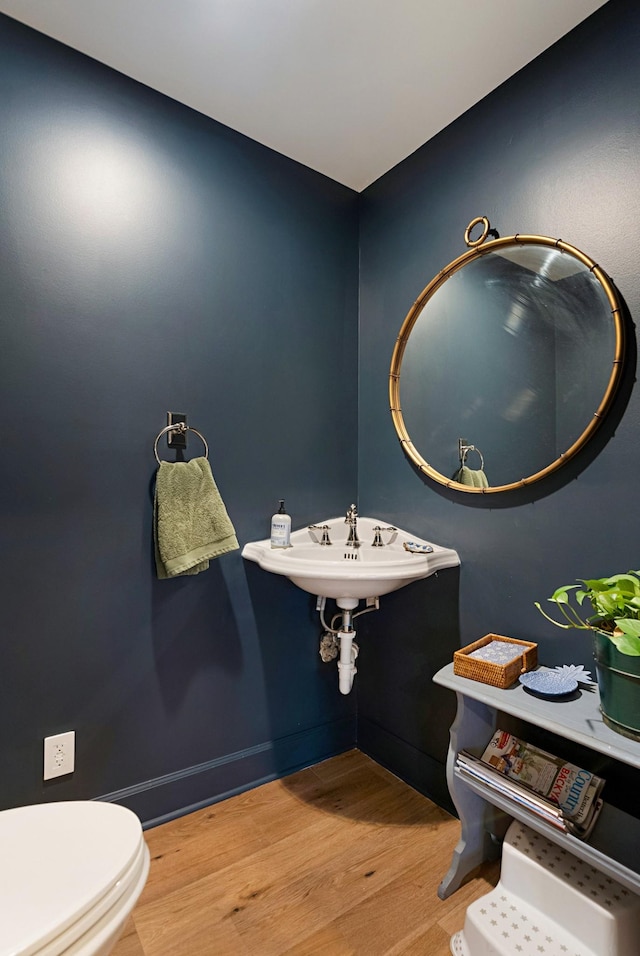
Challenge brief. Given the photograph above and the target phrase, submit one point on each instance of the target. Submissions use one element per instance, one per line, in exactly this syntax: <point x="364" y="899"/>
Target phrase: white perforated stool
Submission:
<point x="549" y="903"/>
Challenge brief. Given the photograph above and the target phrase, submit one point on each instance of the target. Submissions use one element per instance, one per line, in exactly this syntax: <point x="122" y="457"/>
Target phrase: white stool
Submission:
<point x="549" y="903"/>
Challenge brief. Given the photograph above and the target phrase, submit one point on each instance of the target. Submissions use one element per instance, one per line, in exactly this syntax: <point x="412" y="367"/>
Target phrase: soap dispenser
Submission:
<point x="281" y="528"/>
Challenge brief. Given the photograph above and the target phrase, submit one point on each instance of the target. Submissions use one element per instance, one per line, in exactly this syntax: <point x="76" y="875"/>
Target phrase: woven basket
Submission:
<point x="488" y="672"/>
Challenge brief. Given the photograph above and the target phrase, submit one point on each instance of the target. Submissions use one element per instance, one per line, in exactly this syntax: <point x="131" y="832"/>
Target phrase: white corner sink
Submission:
<point x="349" y="574"/>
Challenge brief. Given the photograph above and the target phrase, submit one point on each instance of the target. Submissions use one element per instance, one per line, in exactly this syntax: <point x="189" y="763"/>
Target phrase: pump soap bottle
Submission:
<point x="281" y="528"/>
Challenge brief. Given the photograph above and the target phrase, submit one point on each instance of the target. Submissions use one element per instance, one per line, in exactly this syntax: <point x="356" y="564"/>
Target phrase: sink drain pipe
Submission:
<point x="344" y="635"/>
<point x="347" y="669"/>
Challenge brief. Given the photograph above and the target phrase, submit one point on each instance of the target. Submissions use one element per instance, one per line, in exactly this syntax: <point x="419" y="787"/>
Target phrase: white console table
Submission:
<point x="614" y="845"/>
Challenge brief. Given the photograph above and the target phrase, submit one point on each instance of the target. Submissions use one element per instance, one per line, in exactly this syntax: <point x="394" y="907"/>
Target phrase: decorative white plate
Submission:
<point x="548" y="683"/>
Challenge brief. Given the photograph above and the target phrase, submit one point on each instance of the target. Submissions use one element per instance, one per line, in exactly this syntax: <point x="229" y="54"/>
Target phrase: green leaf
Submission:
<point x="628" y="626"/>
<point x="628" y="580"/>
<point x="580" y="595"/>
<point x="626" y="644"/>
<point x="561" y="596"/>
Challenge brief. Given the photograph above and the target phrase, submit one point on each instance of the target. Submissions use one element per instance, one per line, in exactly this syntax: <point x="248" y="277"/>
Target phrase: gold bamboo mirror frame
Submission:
<point x="511" y="355"/>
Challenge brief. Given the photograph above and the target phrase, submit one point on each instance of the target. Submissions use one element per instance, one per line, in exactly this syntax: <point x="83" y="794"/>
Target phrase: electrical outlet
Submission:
<point x="59" y="755"/>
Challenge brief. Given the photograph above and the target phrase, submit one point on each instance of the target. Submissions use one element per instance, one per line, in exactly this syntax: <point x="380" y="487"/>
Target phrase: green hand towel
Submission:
<point x="473" y="478"/>
<point x="190" y="521"/>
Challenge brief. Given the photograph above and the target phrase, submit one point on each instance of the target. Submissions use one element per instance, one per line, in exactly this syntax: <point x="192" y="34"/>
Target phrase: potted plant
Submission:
<point x="614" y="622"/>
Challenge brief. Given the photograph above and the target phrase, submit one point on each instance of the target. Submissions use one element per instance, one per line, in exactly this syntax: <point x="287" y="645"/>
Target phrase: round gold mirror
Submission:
<point x="506" y="363"/>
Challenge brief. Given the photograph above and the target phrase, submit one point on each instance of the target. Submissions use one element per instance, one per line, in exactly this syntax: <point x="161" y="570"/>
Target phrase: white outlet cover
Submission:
<point x="59" y="755"/>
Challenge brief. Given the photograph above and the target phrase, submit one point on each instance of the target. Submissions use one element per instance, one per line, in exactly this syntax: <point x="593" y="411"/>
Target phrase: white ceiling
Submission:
<point x="347" y="87"/>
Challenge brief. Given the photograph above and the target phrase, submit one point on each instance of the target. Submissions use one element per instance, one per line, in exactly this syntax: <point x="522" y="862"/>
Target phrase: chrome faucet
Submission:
<point x="353" y="540"/>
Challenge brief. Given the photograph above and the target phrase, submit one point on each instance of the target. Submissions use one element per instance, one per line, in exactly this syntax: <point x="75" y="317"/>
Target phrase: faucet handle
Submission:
<point x="377" y="541"/>
<point x="325" y="532"/>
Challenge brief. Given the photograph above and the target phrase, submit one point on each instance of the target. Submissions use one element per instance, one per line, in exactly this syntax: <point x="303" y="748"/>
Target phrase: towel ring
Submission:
<point x="180" y="427"/>
<point x="463" y="451"/>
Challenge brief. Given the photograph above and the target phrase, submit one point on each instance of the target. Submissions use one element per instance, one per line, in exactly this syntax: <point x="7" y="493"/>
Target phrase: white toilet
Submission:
<point x="70" y="874"/>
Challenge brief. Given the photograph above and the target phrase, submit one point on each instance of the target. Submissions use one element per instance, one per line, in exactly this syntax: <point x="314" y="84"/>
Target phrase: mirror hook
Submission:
<point x="486" y="226"/>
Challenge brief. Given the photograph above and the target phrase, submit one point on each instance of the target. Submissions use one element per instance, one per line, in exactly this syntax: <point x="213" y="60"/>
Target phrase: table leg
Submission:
<point x="471" y="730"/>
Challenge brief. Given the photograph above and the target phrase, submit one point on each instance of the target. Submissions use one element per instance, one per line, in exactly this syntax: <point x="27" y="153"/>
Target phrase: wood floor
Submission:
<point x="341" y="859"/>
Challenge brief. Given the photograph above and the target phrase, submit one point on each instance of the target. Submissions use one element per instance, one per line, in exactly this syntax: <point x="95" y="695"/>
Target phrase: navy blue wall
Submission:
<point x="153" y="260"/>
<point x="553" y="151"/>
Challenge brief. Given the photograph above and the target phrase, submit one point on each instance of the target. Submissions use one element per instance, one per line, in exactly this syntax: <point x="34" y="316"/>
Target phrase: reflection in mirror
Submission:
<point x="514" y="352"/>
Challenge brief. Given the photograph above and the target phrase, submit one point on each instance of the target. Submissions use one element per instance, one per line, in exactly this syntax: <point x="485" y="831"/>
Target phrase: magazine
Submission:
<point x="565" y="795"/>
<point x="472" y="767"/>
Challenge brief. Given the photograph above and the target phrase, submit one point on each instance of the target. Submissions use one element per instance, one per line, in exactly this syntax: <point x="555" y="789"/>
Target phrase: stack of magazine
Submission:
<point x="563" y="795"/>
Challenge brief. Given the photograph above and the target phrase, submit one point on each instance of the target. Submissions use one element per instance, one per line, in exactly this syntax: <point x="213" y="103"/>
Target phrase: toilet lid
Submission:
<point x="57" y="861"/>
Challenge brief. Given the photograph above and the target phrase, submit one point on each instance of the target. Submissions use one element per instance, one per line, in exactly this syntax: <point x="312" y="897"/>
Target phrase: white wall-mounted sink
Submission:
<point x="349" y="574"/>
